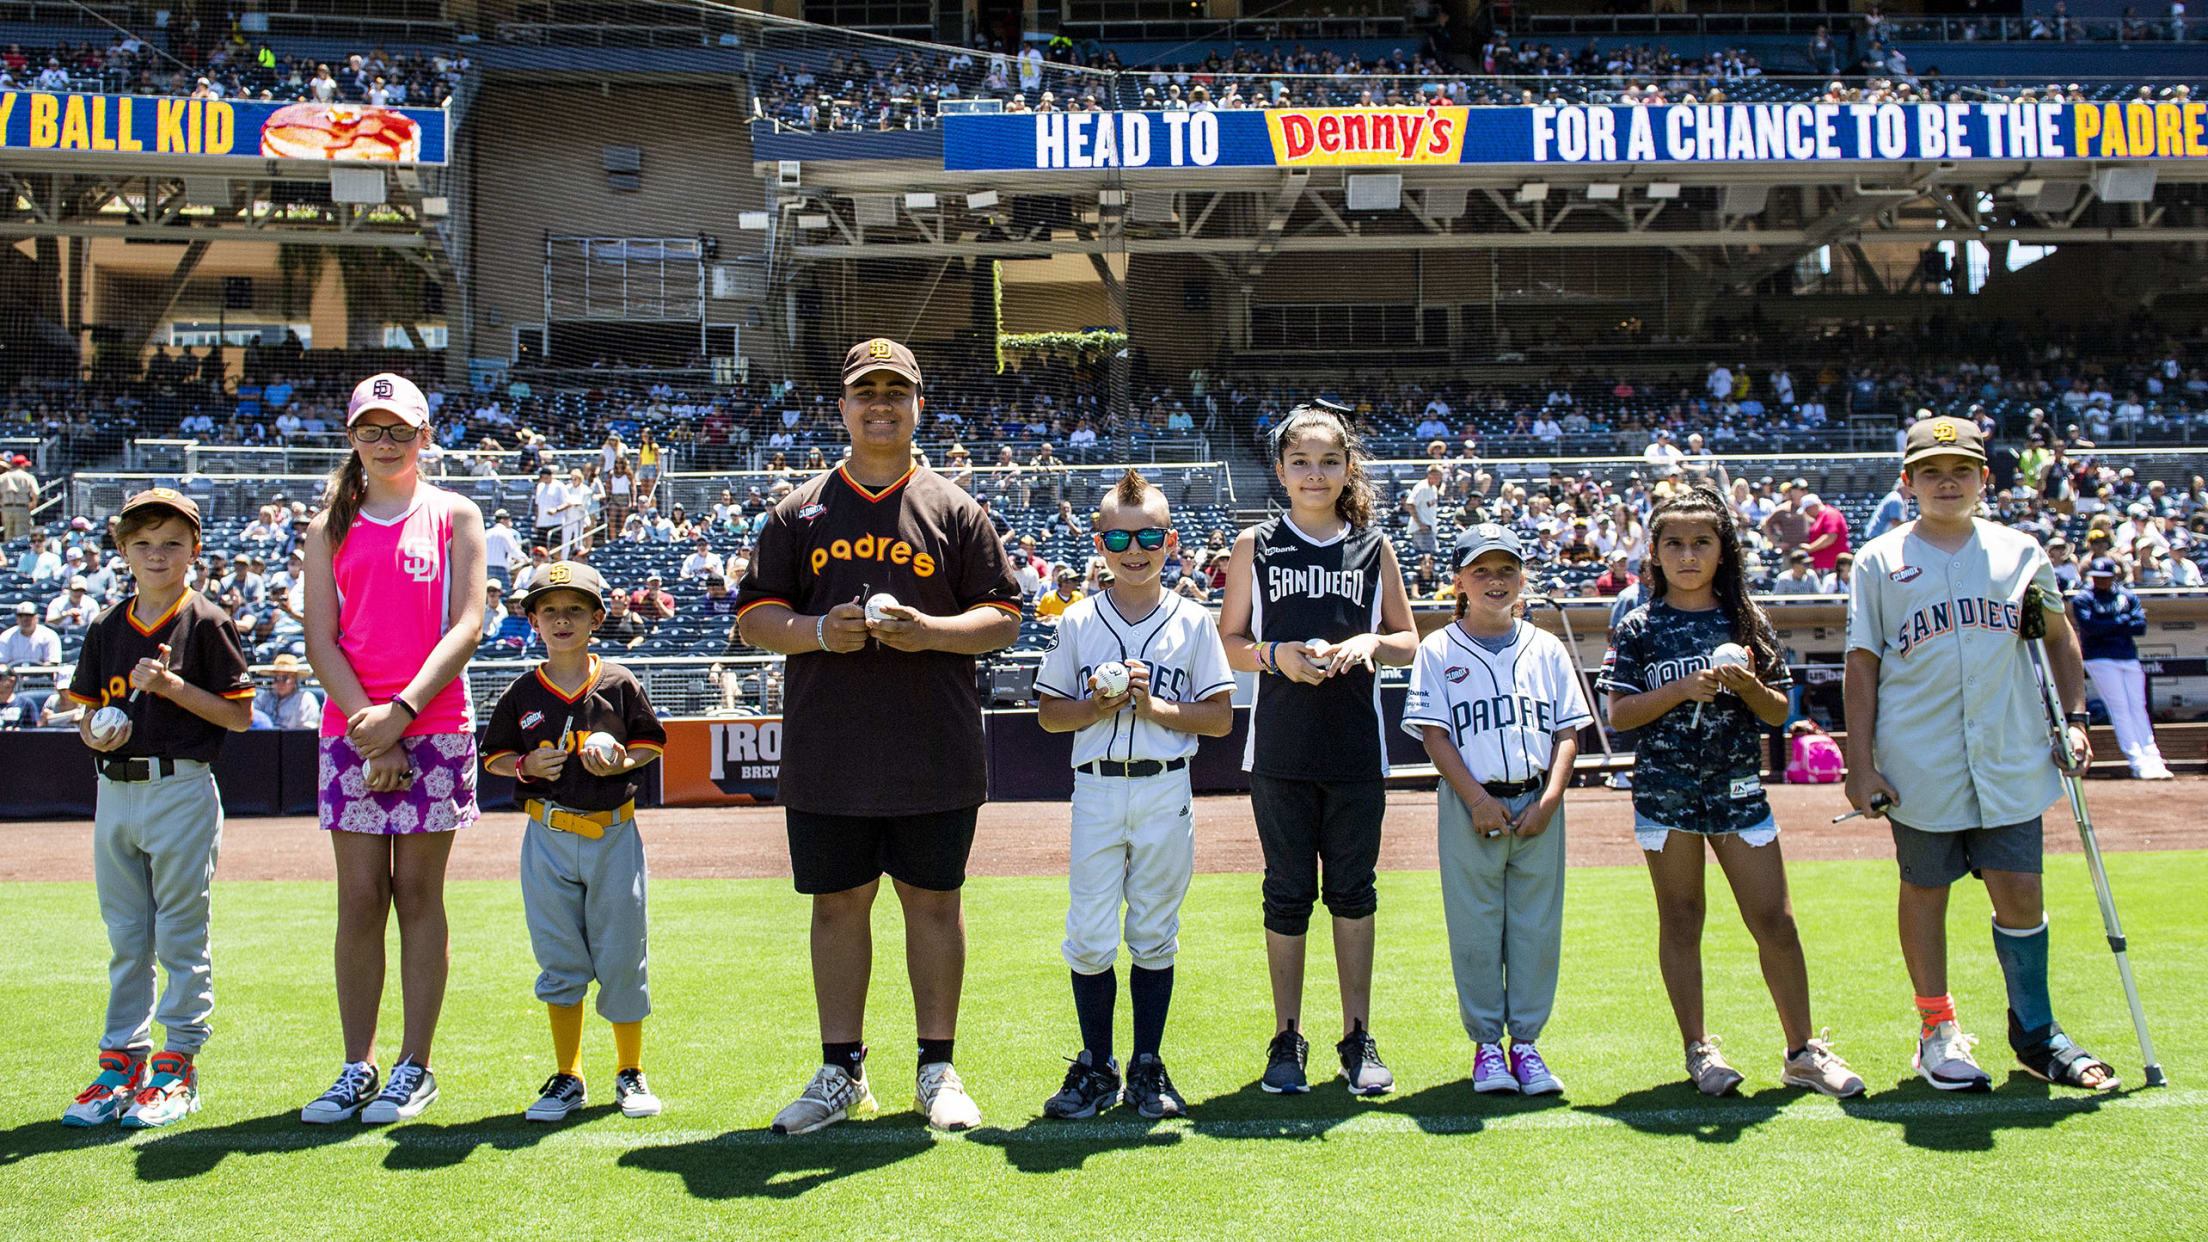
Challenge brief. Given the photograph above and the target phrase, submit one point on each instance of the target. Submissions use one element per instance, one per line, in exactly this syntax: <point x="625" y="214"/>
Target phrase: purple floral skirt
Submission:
<point x="441" y="799"/>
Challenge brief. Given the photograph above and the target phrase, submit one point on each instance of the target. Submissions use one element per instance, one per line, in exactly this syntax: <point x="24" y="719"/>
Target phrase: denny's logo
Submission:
<point x="1367" y="136"/>
<point x="870" y="548"/>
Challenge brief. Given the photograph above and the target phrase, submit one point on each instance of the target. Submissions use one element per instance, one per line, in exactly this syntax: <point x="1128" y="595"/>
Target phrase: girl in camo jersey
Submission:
<point x="1698" y="776"/>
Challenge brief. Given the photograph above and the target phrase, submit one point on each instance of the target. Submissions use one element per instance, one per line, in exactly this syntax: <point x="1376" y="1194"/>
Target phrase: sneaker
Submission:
<point x="1707" y="1070"/>
<point x="1532" y="1073"/>
<point x="634" y="1095"/>
<point x="557" y="1099"/>
<point x="1088" y="1090"/>
<point x="120" y="1077"/>
<point x="1820" y="1069"/>
<point x="171" y="1095"/>
<point x="831" y="1096"/>
<point x="1491" y="1071"/>
<point x="940" y="1094"/>
<point x="1361" y="1066"/>
<point x="410" y="1089"/>
<point x="1943" y="1059"/>
<point x="1284" y="1061"/>
<point x="1618" y="780"/>
<point x="1150" y="1089"/>
<point x="355" y="1086"/>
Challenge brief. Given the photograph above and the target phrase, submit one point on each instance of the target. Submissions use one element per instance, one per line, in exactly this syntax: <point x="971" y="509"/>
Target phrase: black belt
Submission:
<point x="1513" y="789"/>
<point x="135" y="769"/>
<point x="1139" y="768"/>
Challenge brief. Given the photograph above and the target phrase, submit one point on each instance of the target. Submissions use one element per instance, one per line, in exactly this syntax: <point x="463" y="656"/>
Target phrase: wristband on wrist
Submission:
<point x="399" y="701"/>
<point x="2080" y="719"/>
<point x="820" y="631"/>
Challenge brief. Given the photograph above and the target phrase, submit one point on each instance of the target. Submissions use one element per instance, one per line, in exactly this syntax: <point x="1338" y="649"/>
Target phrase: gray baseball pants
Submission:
<point x="584" y="900"/>
<point x="153" y="857"/>
<point x="1503" y="898"/>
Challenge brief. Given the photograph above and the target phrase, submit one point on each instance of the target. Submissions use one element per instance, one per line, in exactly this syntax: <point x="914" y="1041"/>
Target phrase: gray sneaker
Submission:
<point x="1284" y="1061"/>
<point x="830" y="1097"/>
<point x="557" y="1099"/>
<point x="1088" y="1090"/>
<point x="1150" y="1089"/>
<point x="410" y="1089"/>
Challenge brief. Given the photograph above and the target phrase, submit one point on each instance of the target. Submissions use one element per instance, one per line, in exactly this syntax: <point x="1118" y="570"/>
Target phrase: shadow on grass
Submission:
<point x="1047" y="1145"/>
<point x="416" y="1146"/>
<point x="39" y="1138"/>
<point x="1678" y="1110"/>
<point x="189" y="1150"/>
<point x="1970" y="1120"/>
<point x="759" y="1165"/>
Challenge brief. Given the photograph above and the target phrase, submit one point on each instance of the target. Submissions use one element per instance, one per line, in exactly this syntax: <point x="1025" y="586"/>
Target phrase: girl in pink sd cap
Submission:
<point x="394" y="603"/>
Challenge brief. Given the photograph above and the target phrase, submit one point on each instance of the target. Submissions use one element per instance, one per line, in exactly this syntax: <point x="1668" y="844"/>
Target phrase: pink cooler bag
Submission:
<point x="1814" y="758"/>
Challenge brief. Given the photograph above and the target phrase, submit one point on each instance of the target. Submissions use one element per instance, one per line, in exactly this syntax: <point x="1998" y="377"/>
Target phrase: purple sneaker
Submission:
<point x="1532" y="1072"/>
<point x="1491" y="1071"/>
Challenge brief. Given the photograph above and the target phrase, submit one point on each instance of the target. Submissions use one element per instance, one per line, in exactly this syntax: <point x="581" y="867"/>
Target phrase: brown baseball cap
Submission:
<point x="164" y="498"/>
<point x="566" y="576"/>
<point x="880" y="354"/>
<point x="1930" y="437"/>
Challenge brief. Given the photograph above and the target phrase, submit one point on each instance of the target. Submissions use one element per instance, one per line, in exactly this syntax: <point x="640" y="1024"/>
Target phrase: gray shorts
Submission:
<point x="1938" y="859"/>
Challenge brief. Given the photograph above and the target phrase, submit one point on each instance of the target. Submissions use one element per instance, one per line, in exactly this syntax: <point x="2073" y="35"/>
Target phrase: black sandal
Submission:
<point x="2054" y="1059"/>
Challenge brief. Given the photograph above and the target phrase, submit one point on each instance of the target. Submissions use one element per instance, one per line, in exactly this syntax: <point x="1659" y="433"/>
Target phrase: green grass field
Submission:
<point x="1631" y="1152"/>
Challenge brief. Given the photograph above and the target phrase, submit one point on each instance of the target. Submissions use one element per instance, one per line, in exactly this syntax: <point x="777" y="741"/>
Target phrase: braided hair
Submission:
<point x="1701" y="502"/>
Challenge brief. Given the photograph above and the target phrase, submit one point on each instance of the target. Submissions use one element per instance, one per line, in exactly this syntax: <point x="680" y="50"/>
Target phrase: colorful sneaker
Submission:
<point x="171" y="1095"/>
<point x="1088" y="1090"/>
<point x="410" y="1089"/>
<point x="1491" y="1071"/>
<point x="940" y="1094"/>
<point x="830" y="1097"/>
<point x="1150" y="1089"/>
<point x="1820" y="1069"/>
<point x="120" y="1077"/>
<point x="354" y="1088"/>
<point x="1532" y="1072"/>
<point x="1707" y="1070"/>
<point x="557" y="1099"/>
<point x="634" y="1095"/>
<point x="1284" y="1061"/>
<point x="1361" y="1066"/>
<point x="1943" y="1059"/>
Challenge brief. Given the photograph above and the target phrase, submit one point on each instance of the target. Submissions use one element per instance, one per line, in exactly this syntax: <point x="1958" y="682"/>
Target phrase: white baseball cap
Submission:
<point x="392" y="393"/>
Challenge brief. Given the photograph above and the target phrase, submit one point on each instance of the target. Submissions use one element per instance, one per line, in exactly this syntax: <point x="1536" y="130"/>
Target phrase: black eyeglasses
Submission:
<point x="369" y="433"/>
<point x="1151" y="537"/>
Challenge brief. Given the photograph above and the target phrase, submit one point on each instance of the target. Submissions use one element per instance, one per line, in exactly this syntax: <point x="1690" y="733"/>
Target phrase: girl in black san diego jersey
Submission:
<point x="1314" y="601"/>
<point x="1697" y="776"/>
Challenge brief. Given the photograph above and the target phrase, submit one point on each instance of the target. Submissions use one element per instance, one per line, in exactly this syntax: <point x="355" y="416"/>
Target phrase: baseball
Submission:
<point x="878" y="606"/>
<point x="1730" y="655"/>
<point x="1110" y="679"/>
<point x="1318" y="648"/>
<point x="605" y="745"/>
<point x="108" y="721"/>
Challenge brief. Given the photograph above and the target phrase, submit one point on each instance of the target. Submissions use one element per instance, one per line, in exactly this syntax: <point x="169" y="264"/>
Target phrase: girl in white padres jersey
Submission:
<point x="1698" y="776"/>
<point x="1133" y="838"/>
<point x="1499" y="708"/>
<point x="1314" y="600"/>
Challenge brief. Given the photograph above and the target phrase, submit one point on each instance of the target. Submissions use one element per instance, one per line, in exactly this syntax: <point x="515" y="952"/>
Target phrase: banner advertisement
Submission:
<point x="146" y="124"/>
<point x="1683" y="134"/>
<point x="721" y="762"/>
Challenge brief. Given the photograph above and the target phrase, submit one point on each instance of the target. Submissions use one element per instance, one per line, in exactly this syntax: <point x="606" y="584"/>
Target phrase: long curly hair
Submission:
<point x="1355" y="504"/>
<point x="1750" y="627"/>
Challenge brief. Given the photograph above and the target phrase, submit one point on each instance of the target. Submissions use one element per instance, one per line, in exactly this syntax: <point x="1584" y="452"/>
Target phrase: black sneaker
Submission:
<point x="1150" y="1089"/>
<point x="1284" y="1064"/>
<point x="1088" y="1089"/>
<point x="557" y="1099"/>
<point x="410" y="1089"/>
<point x="355" y="1086"/>
<point x="1361" y="1066"/>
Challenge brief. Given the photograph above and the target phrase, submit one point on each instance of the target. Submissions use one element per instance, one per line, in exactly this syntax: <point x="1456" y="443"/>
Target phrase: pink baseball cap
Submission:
<point x="391" y="393"/>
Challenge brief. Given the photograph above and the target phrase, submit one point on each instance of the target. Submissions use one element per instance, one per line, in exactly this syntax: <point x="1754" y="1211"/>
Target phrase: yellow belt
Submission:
<point x="592" y="824"/>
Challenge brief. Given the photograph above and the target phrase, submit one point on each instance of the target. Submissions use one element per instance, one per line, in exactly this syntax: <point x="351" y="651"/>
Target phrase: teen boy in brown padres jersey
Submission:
<point x="882" y="766"/>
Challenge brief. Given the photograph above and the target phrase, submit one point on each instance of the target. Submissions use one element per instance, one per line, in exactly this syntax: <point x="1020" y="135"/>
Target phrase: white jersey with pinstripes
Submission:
<point x="1177" y="641"/>
<point x="1501" y="709"/>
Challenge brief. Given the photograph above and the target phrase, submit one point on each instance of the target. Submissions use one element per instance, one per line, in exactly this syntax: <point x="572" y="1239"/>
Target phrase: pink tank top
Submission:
<point x="394" y="602"/>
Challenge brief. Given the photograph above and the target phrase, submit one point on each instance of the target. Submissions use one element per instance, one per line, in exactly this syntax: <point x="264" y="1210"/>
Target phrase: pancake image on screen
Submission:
<point x="319" y="131"/>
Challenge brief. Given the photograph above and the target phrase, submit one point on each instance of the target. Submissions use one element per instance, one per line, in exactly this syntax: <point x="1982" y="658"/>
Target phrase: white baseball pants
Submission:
<point x="1134" y="845"/>
<point x="153" y="857"/>
<point x="2122" y="685"/>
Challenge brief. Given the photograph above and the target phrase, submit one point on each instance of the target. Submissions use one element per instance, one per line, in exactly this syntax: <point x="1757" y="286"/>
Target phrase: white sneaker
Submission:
<point x="1943" y="1059"/>
<point x="830" y="1097"/>
<point x="634" y="1095"/>
<point x="941" y="1094"/>
<point x="1619" y="780"/>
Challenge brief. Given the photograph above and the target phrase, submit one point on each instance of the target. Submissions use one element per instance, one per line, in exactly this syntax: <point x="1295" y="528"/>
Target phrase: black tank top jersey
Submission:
<point x="1306" y="589"/>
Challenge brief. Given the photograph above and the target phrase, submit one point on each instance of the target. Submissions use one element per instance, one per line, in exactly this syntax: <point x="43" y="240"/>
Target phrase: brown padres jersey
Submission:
<point x="203" y="650"/>
<point x="879" y="731"/>
<point x="534" y="714"/>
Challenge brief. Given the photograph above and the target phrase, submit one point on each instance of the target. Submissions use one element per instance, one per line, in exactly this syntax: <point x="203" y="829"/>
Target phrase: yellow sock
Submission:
<point x="567" y="1037"/>
<point x="628" y="1044"/>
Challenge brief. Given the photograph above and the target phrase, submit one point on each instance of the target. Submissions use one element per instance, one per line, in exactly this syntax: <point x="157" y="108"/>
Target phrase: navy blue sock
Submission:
<point x="933" y="1050"/>
<point x="1093" y="999"/>
<point x="2023" y="957"/>
<point x="1152" y="991"/>
<point x="846" y="1057"/>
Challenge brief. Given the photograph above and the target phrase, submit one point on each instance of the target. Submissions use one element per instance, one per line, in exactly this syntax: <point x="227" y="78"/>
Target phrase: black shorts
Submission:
<point x="833" y="853"/>
<point x="1306" y="825"/>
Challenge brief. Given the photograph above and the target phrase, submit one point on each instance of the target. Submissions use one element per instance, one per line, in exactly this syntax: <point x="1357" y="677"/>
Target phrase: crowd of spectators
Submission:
<point x="231" y="67"/>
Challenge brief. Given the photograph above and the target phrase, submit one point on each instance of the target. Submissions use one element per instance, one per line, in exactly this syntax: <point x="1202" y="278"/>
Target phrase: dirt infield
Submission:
<point x="1029" y="838"/>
